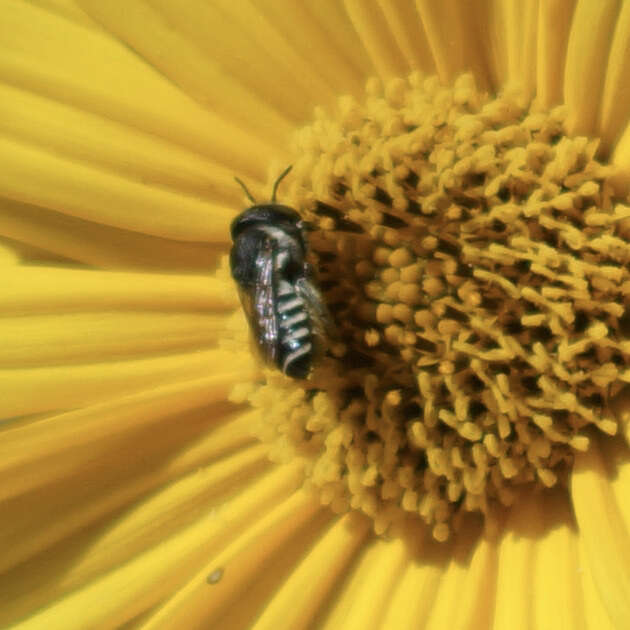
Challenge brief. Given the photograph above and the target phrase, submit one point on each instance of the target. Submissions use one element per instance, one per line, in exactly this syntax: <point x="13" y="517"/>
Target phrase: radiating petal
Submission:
<point x="53" y="233"/>
<point x="68" y="386"/>
<point x="604" y="528"/>
<point x="87" y="68"/>
<point x="519" y="25"/>
<point x="452" y="29"/>
<point x="131" y="587"/>
<point x="540" y="542"/>
<point x="333" y="18"/>
<point x="50" y="289"/>
<point x="362" y="600"/>
<point x="250" y="32"/>
<point x="368" y="20"/>
<point x="408" y="33"/>
<point x="31" y="175"/>
<point x="301" y="599"/>
<point x="595" y="614"/>
<point x="68" y="9"/>
<point x="45" y="123"/>
<point x="615" y="97"/>
<point x="621" y="158"/>
<point x="557" y="599"/>
<point x="255" y="559"/>
<point x="68" y="508"/>
<point x="469" y="580"/>
<point x="39" y="340"/>
<point x="8" y="256"/>
<point x="414" y="596"/>
<point x="588" y="47"/>
<point x="327" y="50"/>
<point x="49" y="449"/>
<point x="146" y="29"/>
<point x="554" y="23"/>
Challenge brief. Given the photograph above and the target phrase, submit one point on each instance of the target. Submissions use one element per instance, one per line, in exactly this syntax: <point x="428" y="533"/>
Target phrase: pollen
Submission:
<point x="474" y="260"/>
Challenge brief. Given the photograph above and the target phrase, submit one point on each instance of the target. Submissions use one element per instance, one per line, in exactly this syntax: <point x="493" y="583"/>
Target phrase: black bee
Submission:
<point x="277" y="285"/>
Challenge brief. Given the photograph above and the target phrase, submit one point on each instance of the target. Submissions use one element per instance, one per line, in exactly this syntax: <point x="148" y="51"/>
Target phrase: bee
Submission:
<point x="277" y="284"/>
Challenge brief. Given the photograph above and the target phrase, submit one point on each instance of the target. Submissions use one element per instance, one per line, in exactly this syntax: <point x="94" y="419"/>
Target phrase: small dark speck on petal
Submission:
<point x="215" y="576"/>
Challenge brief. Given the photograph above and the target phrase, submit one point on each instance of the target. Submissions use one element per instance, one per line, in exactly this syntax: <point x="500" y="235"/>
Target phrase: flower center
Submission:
<point x="474" y="261"/>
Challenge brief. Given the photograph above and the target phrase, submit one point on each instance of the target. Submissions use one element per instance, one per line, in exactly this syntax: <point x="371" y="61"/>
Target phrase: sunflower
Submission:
<point x="458" y="457"/>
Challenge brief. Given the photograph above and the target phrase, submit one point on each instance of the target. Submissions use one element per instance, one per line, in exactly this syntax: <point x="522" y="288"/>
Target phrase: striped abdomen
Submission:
<point x="295" y="339"/>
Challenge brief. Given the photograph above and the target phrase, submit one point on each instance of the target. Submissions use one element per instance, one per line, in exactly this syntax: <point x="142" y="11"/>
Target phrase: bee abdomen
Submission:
<point x="296" y="347"/>
<point x="297" y="363"/>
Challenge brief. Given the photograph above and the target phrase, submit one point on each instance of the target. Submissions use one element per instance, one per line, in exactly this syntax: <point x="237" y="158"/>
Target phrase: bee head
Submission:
<point x="268" y="215"/>
<point x="271" y="214"/>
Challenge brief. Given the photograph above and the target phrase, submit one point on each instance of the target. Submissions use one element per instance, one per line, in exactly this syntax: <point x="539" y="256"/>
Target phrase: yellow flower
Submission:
<point x="133" y="492"/>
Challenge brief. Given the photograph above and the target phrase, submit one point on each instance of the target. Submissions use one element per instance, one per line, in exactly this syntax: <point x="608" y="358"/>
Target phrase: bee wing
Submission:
<point x="258" y="304"/>
<point x="321" y="321"/>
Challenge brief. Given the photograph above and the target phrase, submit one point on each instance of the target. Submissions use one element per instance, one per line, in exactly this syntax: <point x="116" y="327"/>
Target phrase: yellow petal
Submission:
<point x="557" y="599"/>
<point x="538" y="584"/>
<point x="254" y="559"/>
<point x="329" y="52"/>
<point x="147" y="30"/>
<point x="621" y="158"/>
<point x="132" y="587"/>
<point x="250" y="32"/>
<point x="554" y="23"/>
<point x="366" y="593"/>
<point x="31" y="175"/>
<point x="98" y="245"/>
<point x="520" y="23"/>
<point x="413" y="599"/>
<point x="93" y="504"/>
<point x="67" y="9"/>
<point x="455" y="41"/>
<point x="408" y="33"/>
<point x="595" y="614"/>
<point x="8" y="256"/>
<point x="368" y="20"/>
<point x="334" y="20"/>
<point x="49" y="449"/>
<point x="604" y="529"/>
<point x="50" y="289"/>
<point x="116" y="148"/>
<point x="90" y="337"/>
<point x="469" y="580"/>
<point x="299" y="601"/>
<point x="613" y="116"/>
<point x="587" y="51"/>
<point x="88" y="69"/>
<point x="32" y="390"/>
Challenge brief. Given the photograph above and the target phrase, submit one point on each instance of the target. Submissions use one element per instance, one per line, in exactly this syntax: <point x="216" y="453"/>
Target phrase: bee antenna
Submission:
<point x="280" y="178"/>
<point x="242" y="185"/>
